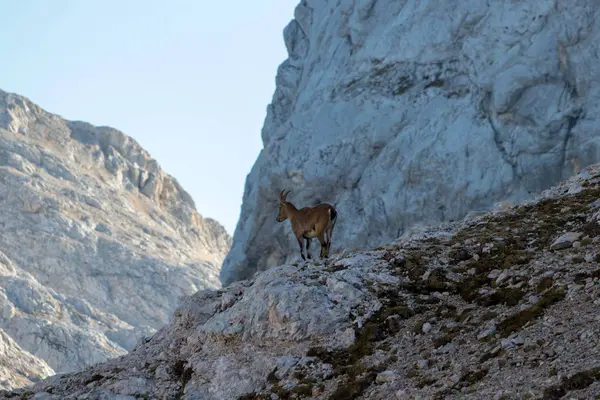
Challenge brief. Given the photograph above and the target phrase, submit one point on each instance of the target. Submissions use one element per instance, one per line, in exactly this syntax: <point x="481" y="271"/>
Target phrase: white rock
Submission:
<point x="386" y="377"/>
<point x="19" y="367"/>
<point x="518" y="340"/>
<point x="503" y="275"/>
<point x="401" y="394"/>
<point x="486" y="333"/>
<point x="565" y="241"/>
<point x="426" y="327"/>
<point x="43" y="396"/>
<point x="494" y="274"/>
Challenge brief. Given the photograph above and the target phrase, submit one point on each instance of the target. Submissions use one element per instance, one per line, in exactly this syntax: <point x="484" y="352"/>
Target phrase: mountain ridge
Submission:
<point x="111" y="241"/>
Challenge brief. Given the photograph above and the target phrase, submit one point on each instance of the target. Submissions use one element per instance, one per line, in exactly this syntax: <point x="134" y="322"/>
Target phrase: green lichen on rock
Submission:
<point x="516" y="321"/>
<point x="577" y="381"/>
<point x="354" y="377"/>
<point x="544" y="284"/>
<point x="504" y="244"/>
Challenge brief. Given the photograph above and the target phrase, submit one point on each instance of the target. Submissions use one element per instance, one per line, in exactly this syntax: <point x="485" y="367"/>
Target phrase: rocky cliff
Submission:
<point x="97" y="243"/>
<point x="18" y="367"/>
<point x="412" y="111"/>
<point x="501" y="305"/>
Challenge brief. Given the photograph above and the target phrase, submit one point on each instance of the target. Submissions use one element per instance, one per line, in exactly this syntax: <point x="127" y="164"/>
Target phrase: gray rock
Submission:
<point x="389" y="130"/>
<point x="503" y="275"/>
<point x="103" y="228"/>
<point x="500" y="394"/>
<point x="549" y="352"/>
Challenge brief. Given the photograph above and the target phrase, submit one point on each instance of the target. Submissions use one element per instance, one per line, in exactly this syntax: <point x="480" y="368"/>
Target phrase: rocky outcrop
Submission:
<point x="98" y="244"/>
<point x="401" y="112"/>
<point x="485" y="308"/>
<point x="66" y="332"/>
<point x="18" y="367"/>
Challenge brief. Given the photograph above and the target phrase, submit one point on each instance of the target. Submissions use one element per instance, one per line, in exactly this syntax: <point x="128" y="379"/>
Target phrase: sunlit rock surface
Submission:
<point x="97" y="242"/>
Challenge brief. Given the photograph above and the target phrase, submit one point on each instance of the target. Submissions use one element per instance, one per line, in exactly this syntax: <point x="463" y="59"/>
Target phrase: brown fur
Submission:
<point x="309" y="222"/>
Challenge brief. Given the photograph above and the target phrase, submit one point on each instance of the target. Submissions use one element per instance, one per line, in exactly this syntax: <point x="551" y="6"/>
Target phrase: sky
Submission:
<point x="189" y="80"/>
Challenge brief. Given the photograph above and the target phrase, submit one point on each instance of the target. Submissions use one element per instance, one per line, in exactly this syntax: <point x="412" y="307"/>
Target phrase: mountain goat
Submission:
<point x="309" y="222"/>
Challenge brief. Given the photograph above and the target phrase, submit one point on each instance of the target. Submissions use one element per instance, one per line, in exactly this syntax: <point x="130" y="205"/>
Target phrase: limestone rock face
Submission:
<point x="18" y="367"/>
<point x="97" y="242"/>
<point x="456" y="311"/>
<point x="402" y="112"/>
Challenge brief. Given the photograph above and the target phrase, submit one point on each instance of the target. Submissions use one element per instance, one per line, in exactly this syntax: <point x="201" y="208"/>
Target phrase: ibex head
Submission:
<point x="283" y="214"/>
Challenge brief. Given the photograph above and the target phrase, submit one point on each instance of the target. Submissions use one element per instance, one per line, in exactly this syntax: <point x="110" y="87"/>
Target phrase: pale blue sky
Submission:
<point x="189" y="80"/>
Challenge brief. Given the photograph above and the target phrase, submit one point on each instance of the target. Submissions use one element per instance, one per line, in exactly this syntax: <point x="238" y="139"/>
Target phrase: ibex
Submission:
<point x="309" y="222"/>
